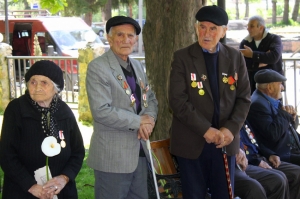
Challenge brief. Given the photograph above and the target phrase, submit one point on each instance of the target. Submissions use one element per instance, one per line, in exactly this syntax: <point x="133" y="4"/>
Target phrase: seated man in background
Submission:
<point x="273" y="124"/>
<point x="258" y="179"/>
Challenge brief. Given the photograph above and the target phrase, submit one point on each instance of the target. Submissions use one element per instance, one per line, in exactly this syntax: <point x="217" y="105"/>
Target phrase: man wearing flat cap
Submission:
<point x="210" y="96"/>
<point x="124" y="111"/>
<point x="273" y="123"/>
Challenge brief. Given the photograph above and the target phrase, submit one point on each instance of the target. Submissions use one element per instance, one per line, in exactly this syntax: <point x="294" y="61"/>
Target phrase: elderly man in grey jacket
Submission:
<point x="124" y="110"/>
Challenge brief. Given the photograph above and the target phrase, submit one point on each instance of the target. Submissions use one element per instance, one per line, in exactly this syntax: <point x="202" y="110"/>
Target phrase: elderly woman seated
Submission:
<point x="39" y="134"/>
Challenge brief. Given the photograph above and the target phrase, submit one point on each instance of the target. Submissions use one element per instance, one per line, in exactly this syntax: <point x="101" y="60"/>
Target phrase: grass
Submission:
<point x="84" y="181"/>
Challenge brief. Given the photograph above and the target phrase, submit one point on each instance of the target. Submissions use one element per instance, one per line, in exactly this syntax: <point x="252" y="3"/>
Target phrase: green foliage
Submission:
<point x="79" y="7"/>
<point x="85" y="181"/>
<point x="53" y="6"/>
<point x="281" y="24"/>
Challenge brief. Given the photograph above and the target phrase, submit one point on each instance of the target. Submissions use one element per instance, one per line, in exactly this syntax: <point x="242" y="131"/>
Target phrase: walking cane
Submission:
<point x="152" y="166"/>
<point x="227" y="172"/>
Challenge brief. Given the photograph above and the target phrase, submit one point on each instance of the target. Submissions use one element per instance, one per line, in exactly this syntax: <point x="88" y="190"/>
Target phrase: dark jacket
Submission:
<point x="268" y="52"/>
<point x="255" y="153"/>
<point x="192" y="113"/>
<point x="271" y="126"/>
<point x="21" y="154"/>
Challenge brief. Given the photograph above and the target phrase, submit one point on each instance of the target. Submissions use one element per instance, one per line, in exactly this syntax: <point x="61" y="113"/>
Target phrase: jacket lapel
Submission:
<point x="117" y="72"/>
<point x="201" y="74"/>
<point x="223" y="64"/>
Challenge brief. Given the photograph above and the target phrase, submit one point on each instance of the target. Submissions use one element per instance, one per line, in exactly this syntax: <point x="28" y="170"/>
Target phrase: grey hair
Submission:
<point x="56" y="87"/>
<point x="259" y="19"/>
<point x="261" y="86"/>
<point x="110" y="31"/>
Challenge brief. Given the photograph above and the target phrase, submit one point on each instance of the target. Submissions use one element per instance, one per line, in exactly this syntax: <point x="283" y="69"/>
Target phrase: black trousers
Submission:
<point x="206" y="172"/>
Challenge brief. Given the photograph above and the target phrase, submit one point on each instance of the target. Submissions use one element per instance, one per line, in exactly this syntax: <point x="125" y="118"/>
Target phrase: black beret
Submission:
<point x="49" y="69"/>
<point x="268" y="76"/>
<point x="119" y="20"/>
<point x="213" y="14"/>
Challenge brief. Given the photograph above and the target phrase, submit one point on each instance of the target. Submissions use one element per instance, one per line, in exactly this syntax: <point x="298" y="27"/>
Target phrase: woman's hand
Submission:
<point x="37" y="191"/>
<point x="55" y="185"/>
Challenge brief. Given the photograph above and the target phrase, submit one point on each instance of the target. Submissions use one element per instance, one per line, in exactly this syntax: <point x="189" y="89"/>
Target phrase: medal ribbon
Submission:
<point x="193" y="77"/>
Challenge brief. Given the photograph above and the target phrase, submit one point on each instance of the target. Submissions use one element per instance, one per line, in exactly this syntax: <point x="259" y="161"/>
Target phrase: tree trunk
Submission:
<point x="237" y="12"/>
<point x="106" y="11"/>
<point x="274" y="12"/>
<point x="247" y="9"/>
<point x="169" y="27"/>
<point x="88" y="18"/>
<point x="295" y="10"/>
<point x="286" y="12"/>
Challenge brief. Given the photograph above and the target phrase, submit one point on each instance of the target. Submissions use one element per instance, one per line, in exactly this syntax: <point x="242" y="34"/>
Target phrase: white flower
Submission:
<point x="50" y="147"/>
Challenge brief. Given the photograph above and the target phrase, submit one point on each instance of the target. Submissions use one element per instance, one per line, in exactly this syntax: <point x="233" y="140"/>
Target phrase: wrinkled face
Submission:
<point x="122" y="40"/>
<point x="41" y="90"/>
<point x="275" y="90"/>
<point x="255" y="31"/>
<point x="209" y="35"/>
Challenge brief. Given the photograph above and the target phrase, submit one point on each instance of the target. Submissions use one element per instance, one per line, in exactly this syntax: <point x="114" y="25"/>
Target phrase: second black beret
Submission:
<point x="119" y="20"/>
<point x="213" y="14"/>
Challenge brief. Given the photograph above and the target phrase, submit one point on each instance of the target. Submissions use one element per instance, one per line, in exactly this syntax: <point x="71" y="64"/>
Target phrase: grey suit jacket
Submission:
<point x="114" y="144"/>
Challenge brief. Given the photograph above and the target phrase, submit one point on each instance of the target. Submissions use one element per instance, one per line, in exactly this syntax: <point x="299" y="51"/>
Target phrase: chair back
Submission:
<point x="162" y="159"/>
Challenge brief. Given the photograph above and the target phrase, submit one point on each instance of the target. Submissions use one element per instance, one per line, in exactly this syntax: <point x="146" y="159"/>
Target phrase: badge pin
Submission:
<point x="127" y="92"/>
<point x="119" y="77"/>
<point x="203" y="77"/>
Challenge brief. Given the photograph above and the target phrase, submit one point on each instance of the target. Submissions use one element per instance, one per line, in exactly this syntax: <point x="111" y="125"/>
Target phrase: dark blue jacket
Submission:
<point x="254" y="153"/>
<point x="271" y="126"/>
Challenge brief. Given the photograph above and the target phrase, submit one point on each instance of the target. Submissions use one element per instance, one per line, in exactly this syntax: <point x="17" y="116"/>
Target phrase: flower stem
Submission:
<point x="47" y="174"/>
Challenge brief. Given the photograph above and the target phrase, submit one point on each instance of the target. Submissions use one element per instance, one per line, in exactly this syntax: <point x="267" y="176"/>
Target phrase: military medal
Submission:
<point x="203" y="77"/>
<point x="235" y="78"/>
<point x="231" y="82"/>
<point x="200" y="86"/>
<point x="125" y="86"/>
<point x="145" y="100"/>
<point x="224" y="79"/>
<point x="141" y="84"/>
<point x="250" y="135"/>
<point x="232" y="87"/>
<point x="132" y="99"/>
<point x="119" y="77"/>
<point x="61" y="136"/>
<point x="193" y="78"/>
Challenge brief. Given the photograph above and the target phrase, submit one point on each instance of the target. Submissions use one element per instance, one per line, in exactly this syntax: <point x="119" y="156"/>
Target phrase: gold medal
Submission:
<point x="201" y="92"/>
<point x="225" y="80"/>
<point x="194" y="84"/>
<point x="232" y="87"/>
<point x="63" y="144"/>
<point x="247" y="152"/>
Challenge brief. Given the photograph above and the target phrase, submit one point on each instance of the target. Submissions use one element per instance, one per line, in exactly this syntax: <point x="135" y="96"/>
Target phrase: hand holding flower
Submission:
<point x="55" y="185"/>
